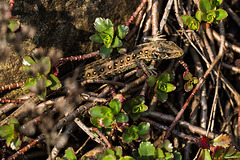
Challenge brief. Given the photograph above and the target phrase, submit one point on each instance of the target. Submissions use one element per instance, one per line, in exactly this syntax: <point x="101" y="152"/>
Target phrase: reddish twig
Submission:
<point x="102" y="136"/>
<point x="199" y="85"/>
<point x="77" y="58"/>
<point x="27" y="147"/>
<point x="136" y="12"/>
<point x="11" y="86"/>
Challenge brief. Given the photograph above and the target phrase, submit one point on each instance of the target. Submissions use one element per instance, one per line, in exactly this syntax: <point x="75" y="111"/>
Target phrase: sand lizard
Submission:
<point x="156" y="50"/>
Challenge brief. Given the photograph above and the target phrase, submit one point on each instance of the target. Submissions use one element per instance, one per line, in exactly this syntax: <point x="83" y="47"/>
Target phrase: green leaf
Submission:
<point x="137" y="101"/>
<point x="166" y="145"/>
<point x="205" y="6"/>
<point x="230" y="151"/>
<point x="139" y="108"/>
<point x="234" y="156"/>
<point x="159" y="154"/>
<point x="28" y="61"/>
<point x="198" y="16"/>
<point x="127" y="158"/>
<point x="133" y="130"/>
<point x="220" y="14"/>
<point x="170" y="87"/>
<point x="47" y="63"/>
<point x="188" y="86"/>
<point x="27" y="70"/>
<point x="5" y="131"/>
<point x="187" y="75"/>
<point x="115" y="106"/>
<point x="204" y="155"/>
<point x="194" y="80"/>
<point x="164" y="77"/>
<point x="134" y="116"/>
<point x="162" y="96"/>
<point x="95" y="121"/>
<point x="16" y="143"/>
<point x="29" y="83"/>
<point x="118" y="151"/>
<point x="151" y="81"/>
<point x="184" y="18"/>
<point x="193" y="24"/>
<point x="107" y="112"/>
<point x="126" y="138"/>
<point x="69" y="154"/>
<point x="117" y="42"/>
<point x="96" y="112"/>
<point x="13" y="25"/>
<point x="43" y="94"/>
<point x="121" y="118"/>
<point x="107" y="39"/>
<point x="122" y="31"/>
<point x="146" y="149"/>
<point x="169" y="156"/>
<point x="43" y="78"/>
<point x="56" y="84"/>
<point x="215" y="3"/>
<point x="222" y="140"/>
<point x="209" y="16"/>
<point x="109" y="152"/>
<point x="104" y="51"/>
<point x="177" y="155"/>
<point x="110" y="32"/>
<point x="109" y="157"/>
<point x="107" y="121"/>
<point x="96" y="38"/>
<point x="102" y="24"/>
<point x="143" y="128"/>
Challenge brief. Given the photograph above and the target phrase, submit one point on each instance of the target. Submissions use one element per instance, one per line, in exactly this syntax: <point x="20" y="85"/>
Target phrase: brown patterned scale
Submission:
<point x="157" y="50"/>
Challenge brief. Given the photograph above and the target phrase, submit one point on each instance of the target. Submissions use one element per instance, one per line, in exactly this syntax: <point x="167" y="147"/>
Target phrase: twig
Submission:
<point x="185" y="124"/>
<point x="149" y="18"/>
<point x="77" y="58"/>
<point x="227" y="44"/>
<point x="101" y="81"/>
<point x="165" y="15"/>
<point x="201" y="81"/>
<point x="27" y="147"/>
<point x="88" y="131"/>
<point x="136" y="12"/>
<point x="62" y="141"/>
<point x="133" y="84"/>
<point x="155" y="14"/>
<point x="102" y="136"/>
<point x="161" y="127"/>
<point x="232" y="13"/>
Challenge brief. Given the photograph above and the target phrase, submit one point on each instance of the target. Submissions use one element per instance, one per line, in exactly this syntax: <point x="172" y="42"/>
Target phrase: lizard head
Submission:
<point x="166" y="50"/>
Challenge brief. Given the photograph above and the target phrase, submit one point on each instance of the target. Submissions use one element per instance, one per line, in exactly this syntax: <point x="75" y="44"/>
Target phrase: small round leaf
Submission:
<point x="104" y="51"/>
<point x="121" y="118"/>
<point x="115" y="106"/>
<point x="146" y="149"/>
<point x="122" y="31"/>
<point x="143" y="128"/>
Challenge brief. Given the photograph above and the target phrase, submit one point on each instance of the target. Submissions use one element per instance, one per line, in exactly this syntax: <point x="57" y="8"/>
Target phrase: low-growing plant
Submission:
<point x="107" y="116"/>
<point x="208" y="13"/>
<point x="136" y="108"/>
<point x="135" y="132"/>
<point x="10" y="132"/>
<point x="220" y="147"/>
<point x="161" y="84"/>
<point x="69" y="155"/>
<point x="108" y="37"/>
<point x="38" y="69"/>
